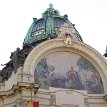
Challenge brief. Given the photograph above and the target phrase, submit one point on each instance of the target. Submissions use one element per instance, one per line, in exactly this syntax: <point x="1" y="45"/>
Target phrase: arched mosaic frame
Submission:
<point x="57" y="45"/>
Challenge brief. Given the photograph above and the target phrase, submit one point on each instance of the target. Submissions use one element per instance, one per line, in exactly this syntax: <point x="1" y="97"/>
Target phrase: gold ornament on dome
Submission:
<point x="67" y="39"/>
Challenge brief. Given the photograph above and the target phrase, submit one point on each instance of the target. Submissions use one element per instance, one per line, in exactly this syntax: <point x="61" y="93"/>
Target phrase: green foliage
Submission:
<point x="84" y="63"/>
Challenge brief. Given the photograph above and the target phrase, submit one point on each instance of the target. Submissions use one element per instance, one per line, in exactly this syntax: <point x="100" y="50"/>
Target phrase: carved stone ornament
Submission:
<point x="67" y="34"/>
<point x="28" y="77"/>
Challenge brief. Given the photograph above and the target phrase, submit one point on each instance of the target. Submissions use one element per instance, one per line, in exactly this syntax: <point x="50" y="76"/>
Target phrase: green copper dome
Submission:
<point x="46" y="27"/>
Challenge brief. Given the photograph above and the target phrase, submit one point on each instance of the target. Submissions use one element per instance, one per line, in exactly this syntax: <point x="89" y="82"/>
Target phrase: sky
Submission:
<point x="16" y="16"/>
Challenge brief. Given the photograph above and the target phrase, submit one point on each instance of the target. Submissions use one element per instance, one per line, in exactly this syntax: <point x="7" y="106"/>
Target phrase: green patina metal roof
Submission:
<point x="47" y="26"/>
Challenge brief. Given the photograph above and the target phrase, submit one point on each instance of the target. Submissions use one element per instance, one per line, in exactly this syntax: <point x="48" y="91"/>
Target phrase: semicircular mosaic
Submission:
<point x="68" y="70"/>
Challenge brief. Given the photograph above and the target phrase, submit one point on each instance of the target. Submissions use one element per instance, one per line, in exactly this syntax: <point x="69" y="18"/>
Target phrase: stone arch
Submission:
<point x="57" y="45"/>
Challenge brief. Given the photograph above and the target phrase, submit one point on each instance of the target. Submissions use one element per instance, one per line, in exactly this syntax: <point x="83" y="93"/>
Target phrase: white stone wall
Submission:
<point x="13" y="80"/>
<point x="69" y="98"/>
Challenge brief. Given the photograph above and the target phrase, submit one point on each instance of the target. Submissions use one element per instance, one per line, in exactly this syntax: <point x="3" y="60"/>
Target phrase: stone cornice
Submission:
<point x="19" y="88"/>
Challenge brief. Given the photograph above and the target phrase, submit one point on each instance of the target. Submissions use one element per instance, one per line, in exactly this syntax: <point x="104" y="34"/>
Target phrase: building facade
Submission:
<point x="54" y="67"/>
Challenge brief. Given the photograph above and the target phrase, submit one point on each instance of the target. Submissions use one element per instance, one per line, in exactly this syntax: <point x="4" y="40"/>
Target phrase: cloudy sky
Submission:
<point x="89" y="16"/>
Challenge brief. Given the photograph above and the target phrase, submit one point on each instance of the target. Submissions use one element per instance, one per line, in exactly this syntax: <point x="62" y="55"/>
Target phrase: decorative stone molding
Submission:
<point x="19" y="88"/>
<point x="66" y="29"/>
